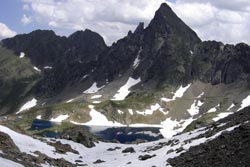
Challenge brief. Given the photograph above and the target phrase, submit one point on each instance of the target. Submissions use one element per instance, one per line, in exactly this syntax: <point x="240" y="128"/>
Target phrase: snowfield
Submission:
<point x="28" y="105"/>
<point x="93" y="89"/>
<point x="124" y="90"/>
<point x="60" y="118"/>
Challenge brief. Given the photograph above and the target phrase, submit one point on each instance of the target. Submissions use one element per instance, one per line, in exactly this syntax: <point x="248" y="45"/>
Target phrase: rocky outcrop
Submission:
<point x="216" y="63"/>
<point x="11" y="152"/>
<point x="229" y="149"/>
<point x="81" y="135"/>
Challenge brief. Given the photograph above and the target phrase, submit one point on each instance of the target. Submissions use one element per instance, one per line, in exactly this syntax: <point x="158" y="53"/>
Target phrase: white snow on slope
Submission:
<point x="172" y="127"/>
<point x="137" y="59"/>
<point x="179" y="93"/>
<point x="93" y="88"/>
<point x="96" y="102"/>
<point x="245" y="103"/>
<point x="195" y="107"/>
<point x="60" y="118"/>
<point x="98" y="119"/>
<point x="28" y="105"/>
<point x="96" y="96"/>
<point x="130" y="111"/>
<point x="27" y="144"/>
<point x="9" y="163"/>
<point x="221" y="115"/>
<point x="85" y="76"/>
<point x="22" y="54"/>
<point x="120" y="112"/>
<point x="39" y="117"/>
<point x="68" y="101"/>
<point x="37" y="69"/>
<point x="229" y="108"/>
<point x="166" y="99"/>
<point x="47" y="67"/>
<point x="124" y="90"/>
<point x="213" y="109"/>
<point x="149" y="111"/>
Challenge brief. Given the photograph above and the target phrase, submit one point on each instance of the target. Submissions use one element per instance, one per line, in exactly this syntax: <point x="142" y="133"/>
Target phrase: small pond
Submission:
<point x="121" y="134"/>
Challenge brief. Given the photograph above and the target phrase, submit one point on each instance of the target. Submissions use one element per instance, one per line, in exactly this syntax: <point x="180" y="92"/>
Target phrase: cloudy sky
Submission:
<point x="222" y="20"/>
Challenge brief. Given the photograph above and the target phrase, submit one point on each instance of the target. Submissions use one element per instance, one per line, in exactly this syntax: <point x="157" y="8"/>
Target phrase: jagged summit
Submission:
<point x="139" y="28"/>
<point x="167" y="22"/>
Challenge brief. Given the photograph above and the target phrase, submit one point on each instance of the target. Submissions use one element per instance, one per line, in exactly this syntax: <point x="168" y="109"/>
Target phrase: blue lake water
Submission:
<point x="121" y="134"/>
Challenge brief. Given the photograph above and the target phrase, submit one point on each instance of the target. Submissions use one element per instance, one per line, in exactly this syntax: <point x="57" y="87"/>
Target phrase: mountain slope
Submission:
<point x="17" y="79"/>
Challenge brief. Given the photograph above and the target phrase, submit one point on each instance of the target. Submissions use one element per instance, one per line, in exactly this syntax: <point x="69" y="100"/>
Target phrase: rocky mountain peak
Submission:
<point x="166" y="22"/>
<point x="87" y="37"/>
<point x="139" y="28"/>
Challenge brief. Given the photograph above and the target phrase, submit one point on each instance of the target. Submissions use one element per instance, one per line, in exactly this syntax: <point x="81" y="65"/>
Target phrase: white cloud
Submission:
<point x="222" y="20"/>
<point x="111" y="18"/>
<point x="25" y="19"/>
<point x="5" y="32"/>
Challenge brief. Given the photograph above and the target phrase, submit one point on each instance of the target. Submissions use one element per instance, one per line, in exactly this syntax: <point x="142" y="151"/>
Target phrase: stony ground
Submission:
<point x="229" y="149"/>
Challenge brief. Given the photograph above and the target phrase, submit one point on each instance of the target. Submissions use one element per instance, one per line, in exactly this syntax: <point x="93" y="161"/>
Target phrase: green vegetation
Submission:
<point x="17" y="79"/>
<point x="137" y="101"/>
<point x="204" y="120"/>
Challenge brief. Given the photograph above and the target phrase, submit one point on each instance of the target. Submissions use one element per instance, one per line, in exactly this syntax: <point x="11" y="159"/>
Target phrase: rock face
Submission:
<point x="217" y="63"/>
<point x="69" y="58"/>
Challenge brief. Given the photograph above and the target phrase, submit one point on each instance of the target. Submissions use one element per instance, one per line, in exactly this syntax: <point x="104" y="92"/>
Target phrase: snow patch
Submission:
<point x="137" y="59"/>
<point x="172" y="127"/>
<point x="22" y="54"/>
<point x="229" y="108"/>
<point x="47" y="67"/>
<point x="96" y="96"/>
<point x="245" y="103"/>
<point x="199" y="96"/>
<point x="166" y="99"/>
<point x="9" y="163"/>
<point x="221" y="115"/>
<point x="151" y="110"/>
<point x="39" y="117"/>
<point x="130" y="111"/>
<point x="96" y="102"/>
<point x="195" y="107"/>
<point x="60" y="118"/>
<point x="69" y="101"/>
<point x="124" y="90"/>
<point x="212" y="110"/>
<point x="37" y="69"/>
<point x="93" y="88"/>
<point x="120" y="112"/>
<point x="99" y="119"/>
<point x="85" y="76"/>
<point x="179" y="93"/>
<point x="28" y="105"/>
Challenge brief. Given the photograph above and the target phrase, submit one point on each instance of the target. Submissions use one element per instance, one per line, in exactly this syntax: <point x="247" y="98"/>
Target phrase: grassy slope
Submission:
<point x="17" y="78"/>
